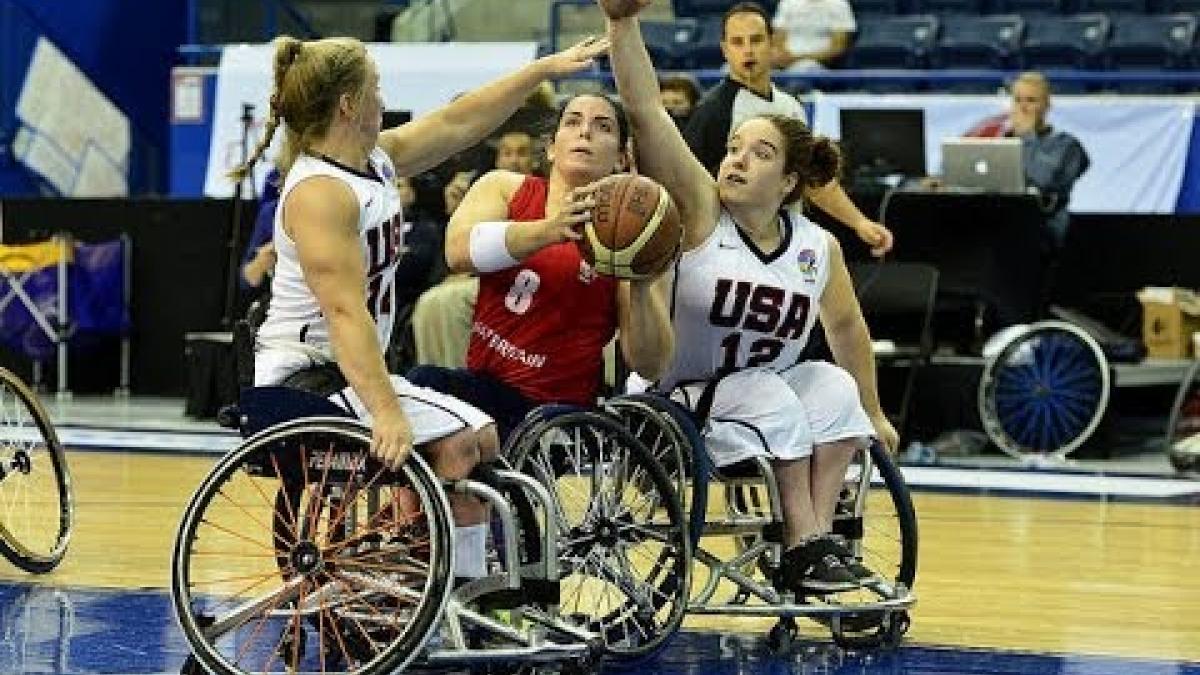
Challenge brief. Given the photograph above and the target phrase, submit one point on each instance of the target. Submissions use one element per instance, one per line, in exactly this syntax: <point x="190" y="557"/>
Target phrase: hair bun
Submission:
<point x="826" y="163"/>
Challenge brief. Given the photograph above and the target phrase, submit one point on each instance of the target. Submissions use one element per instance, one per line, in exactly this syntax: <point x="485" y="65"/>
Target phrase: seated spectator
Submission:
<point x="441" y="319"/>
<point x="811" y="33"/>
<point x="1053" y="160"/>
<point x="514" y="152"/>
<point x="679" y="93"/>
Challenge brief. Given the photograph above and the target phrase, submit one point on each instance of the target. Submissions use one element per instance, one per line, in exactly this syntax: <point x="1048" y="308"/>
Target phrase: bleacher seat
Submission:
<point x="671" y="43"/>
<point x="1151" y="41"/>
<point x="875" y="7"/>
<point x="1065" y="41"/>
<point x="1114" y="6"/>
<point x="703" y="8"/>
<point x="1026" y="7"/>
<point x="951" y="7"/>
<point x="705" y="50"/>
<point x="978" y="42"/>
<point x="1175" y="6"/>
<point x="894" y="42"/>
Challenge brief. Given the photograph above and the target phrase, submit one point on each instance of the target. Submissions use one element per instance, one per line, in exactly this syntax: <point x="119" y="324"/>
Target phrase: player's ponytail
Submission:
<point x="310" y="78"/>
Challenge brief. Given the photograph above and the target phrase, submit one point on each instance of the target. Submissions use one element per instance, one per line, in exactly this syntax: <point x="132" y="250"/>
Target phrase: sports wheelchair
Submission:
<point x="879" y="524"/>
<point x="299" y="552"/>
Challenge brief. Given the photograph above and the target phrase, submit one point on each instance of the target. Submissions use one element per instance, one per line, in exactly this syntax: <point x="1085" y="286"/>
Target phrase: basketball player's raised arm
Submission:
<point x="321" y="216"/>
<point x="430" y="139"/>
<point x="480" y="237"/>
<point x="850" y="341"/>
<point x="662" y="154"/>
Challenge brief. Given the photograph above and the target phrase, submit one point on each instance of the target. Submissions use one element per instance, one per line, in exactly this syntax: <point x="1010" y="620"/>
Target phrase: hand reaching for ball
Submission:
<point x="620" y="9"/>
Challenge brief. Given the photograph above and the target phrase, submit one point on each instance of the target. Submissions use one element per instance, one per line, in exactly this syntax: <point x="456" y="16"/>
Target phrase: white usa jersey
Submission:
<point x="735" y="307"/>
<point x="295" y="334"/>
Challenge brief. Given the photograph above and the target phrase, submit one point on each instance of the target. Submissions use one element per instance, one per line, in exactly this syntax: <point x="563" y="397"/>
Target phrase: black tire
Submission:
<point x="364" y="604"/>
<point x="34" y="533"/>
<point x="592" y="455"/>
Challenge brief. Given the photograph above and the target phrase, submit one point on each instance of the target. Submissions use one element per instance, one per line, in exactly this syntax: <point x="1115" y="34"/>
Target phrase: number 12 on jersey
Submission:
<point x="762" y="351"/>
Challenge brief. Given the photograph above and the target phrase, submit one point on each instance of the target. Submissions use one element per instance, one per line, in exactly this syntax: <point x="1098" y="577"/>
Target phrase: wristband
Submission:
<point x="489" y="249"/>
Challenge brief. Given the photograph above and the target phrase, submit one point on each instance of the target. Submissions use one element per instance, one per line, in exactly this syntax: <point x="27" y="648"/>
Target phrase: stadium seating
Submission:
<point x="671" y="43"/>
<point x="875" y="7"/>
<point x="1065" y="41"/>
<point x="951" y="7"/>
<point x="1027" y="6"/>
<point x="894" y="42"/>
<point x="1151" y="42"/>
<point x="1113" y="6"/>
<point x="978" y="42"/>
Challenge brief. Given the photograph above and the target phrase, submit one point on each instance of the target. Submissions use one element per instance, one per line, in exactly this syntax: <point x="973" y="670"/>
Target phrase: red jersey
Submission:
<point x="540" y="327"/>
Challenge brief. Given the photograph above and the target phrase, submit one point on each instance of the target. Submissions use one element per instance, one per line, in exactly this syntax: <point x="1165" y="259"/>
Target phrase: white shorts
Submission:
<point x="432" y="414"/>
<point x="762" y="413"/>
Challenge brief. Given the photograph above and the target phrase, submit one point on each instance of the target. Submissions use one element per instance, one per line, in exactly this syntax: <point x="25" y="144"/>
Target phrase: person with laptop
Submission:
<point x="1051" y="159"/>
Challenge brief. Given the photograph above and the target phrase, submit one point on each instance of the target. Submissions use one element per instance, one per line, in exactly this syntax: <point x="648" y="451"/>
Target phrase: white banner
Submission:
<point x="413" y="77"/>
<point x="1138" y="146"/>
<point x="72" y="135"/>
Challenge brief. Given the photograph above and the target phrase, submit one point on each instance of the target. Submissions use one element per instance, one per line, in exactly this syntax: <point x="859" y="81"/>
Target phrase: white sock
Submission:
<point x="470" y="551"/>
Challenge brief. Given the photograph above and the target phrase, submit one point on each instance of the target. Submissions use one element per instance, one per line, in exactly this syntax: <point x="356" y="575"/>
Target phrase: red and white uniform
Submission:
<point x="540" y="326"/>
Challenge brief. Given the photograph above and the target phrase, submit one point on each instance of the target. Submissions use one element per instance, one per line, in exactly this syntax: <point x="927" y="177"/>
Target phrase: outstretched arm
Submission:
<point x="662" y="153"/>
<point x="430" y="139"/>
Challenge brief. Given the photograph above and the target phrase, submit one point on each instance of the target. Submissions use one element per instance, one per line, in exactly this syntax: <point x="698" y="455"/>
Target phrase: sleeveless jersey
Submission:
<point x="541" y="325"/>
<point x="295" y="333"/>
<point x="735" y="307"/>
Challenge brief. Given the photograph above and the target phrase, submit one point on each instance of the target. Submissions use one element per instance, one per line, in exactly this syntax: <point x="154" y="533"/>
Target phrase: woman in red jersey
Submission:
<point x="544" y="315"/>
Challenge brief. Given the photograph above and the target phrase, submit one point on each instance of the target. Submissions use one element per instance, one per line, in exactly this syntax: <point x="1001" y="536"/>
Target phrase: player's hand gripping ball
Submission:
<point x="635" y="231"/>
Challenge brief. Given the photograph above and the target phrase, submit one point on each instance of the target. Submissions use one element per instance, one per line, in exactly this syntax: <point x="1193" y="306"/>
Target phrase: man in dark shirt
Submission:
<point x="748" y="91"/>
<point x="1053" y="160"/>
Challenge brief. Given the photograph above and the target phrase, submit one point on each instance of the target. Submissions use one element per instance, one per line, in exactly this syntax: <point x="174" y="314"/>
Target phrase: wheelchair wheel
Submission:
<point x="36" y="502"/>
<point x="1046" y="391"/>
<point x="300" y="553"/>
<point x="670" y="435"/>
<point x="623" y="547"/>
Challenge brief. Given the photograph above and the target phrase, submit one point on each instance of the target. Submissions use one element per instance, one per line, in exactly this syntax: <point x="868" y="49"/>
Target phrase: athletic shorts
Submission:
<point x="780" y="415"/>
<point x="431" y="414"/>
<point x="507" y="406"/>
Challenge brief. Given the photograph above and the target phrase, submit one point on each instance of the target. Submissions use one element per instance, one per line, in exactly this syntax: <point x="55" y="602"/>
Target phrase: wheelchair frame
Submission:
<point x="321" y="554"/>
<point x="881" y="621"/>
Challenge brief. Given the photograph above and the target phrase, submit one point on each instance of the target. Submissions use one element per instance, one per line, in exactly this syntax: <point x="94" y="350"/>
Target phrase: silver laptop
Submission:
<point x="985" y="164"/>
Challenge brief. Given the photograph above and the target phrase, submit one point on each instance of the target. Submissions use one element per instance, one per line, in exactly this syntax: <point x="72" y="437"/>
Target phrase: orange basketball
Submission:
<point x="635" y="231"/>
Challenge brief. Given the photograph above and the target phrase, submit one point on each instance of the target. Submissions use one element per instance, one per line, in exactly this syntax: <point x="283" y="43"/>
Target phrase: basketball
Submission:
<point x="635" y="232"/>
